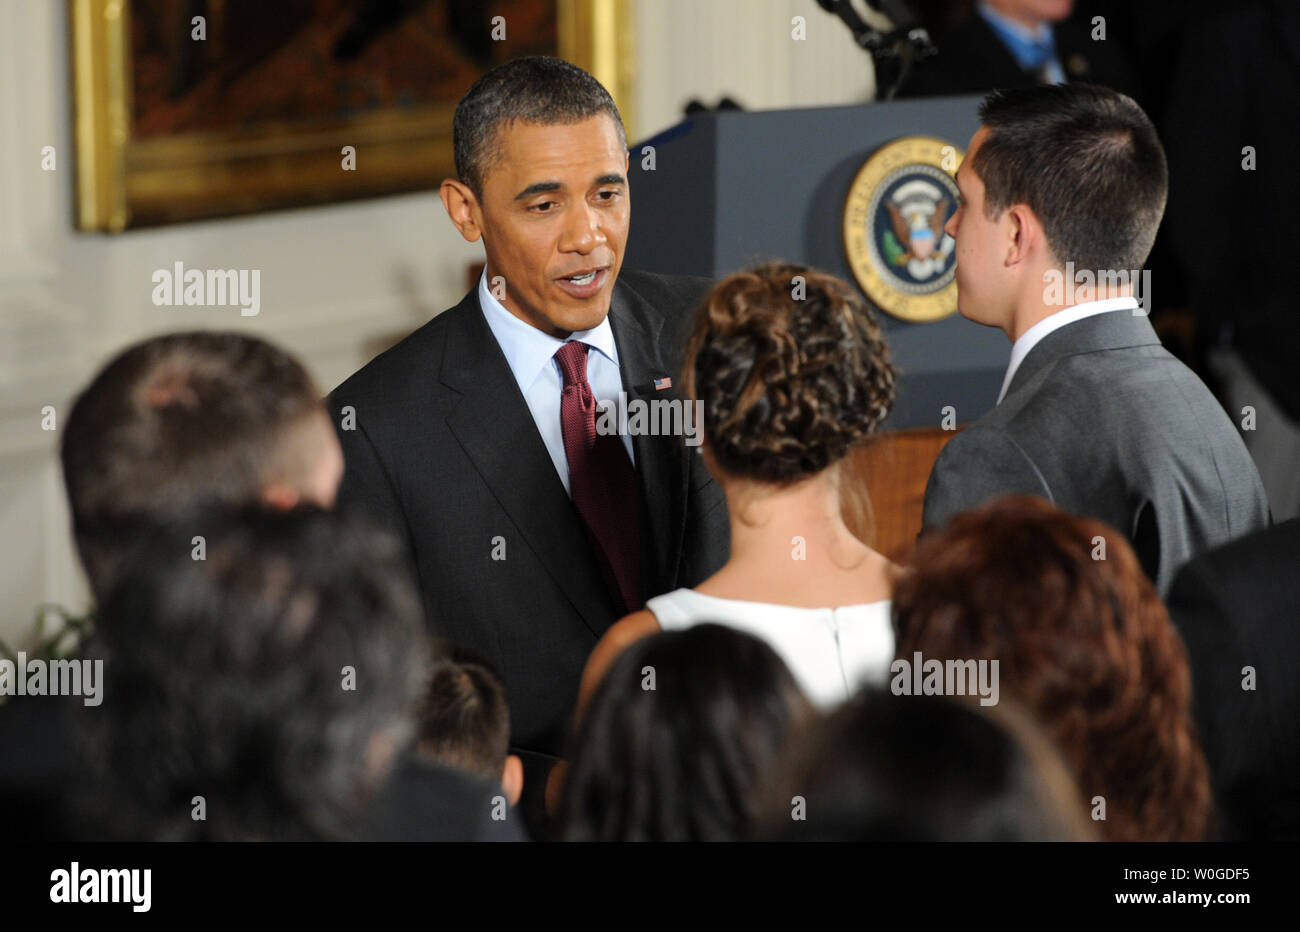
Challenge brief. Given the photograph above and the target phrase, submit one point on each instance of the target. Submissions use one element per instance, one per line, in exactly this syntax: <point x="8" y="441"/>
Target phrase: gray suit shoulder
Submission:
<point x="981" y="463"/>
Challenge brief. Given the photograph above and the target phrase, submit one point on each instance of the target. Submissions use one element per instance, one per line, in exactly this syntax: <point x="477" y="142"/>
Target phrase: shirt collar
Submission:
<point x="527" y="349"/>
<point x="1029" y="45"/>
<point x="1053" y="322"/>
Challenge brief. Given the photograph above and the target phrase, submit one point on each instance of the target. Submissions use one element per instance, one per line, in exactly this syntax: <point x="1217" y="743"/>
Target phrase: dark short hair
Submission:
<point x="886" y="768"/>
<point x="226" y="677"/>
<point x="1084" y="644"/>
<point x="175" y="423"/>
<point x="465" y="721"/>
<point x="1086" y="160"/>
<point x="682" y="761"/>
<point x="537" y="89"/>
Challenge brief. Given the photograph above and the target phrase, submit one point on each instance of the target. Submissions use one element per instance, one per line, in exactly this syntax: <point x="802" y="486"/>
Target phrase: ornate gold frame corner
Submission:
<point x="123" y="182"/>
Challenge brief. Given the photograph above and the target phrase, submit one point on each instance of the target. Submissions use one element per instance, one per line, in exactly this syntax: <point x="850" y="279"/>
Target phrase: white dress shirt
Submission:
<point x="531" y="356"/>
<point x="1053" y="322"/>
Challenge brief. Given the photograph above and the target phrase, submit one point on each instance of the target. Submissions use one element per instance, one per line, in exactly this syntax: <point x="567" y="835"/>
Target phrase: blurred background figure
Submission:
<point x="465" y="720"/>
<point x="1231" y="134"/>
<point x="887" y="768"/>
<point x="1083" y="643"/>
<point x="170" y="425"/>
<point x="186" y="421"/>
<point x="1236" y="608"/>
<point x="789" y="386"/>
<point x="1015" y="43"/>
<point x="260" y="693"/>
<point x="678" y="737"/>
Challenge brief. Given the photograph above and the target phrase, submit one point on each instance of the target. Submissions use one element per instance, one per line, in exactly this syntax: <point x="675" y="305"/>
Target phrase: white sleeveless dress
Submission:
<point x="831" y="651"/>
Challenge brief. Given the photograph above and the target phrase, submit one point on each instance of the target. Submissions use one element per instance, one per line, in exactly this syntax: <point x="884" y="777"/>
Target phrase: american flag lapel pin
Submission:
<point x="661" y="384"/>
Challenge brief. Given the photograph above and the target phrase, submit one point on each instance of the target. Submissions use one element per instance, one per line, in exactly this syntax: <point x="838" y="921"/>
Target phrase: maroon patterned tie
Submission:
<point x="601" y="481"/>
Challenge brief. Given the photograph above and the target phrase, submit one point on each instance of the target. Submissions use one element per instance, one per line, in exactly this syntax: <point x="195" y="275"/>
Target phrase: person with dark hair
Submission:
<point x="789" y="385"/>
<point x="263" y="692"/>
<point x="1062" y="191"/>
<point x="170" y="424"/>
<point x="532" y="527"/>
<point x="886" y="768"/>
<point x="1236" y="608"/>
<point x="679" y="737"/>
<point x="186" y="420"/>
<point x="465" y="720"/>
<point x="1082" y="641"/>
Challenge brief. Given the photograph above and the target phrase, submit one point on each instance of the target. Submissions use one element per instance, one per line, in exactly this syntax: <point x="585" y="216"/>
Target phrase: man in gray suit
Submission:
<point x="1063" y="188"/>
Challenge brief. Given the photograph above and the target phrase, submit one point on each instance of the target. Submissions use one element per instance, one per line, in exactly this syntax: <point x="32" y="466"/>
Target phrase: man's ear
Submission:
<point x="462" y="207"/>
<point x="1024" y="233"/>
<point x="280" y="496"/>
<point x="512" y="779"/>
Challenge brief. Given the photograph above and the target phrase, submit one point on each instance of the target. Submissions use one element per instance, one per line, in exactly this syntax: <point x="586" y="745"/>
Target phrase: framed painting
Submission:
<point x="189" y="109"/>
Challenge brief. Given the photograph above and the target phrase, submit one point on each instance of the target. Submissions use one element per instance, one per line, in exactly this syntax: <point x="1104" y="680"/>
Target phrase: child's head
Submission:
<point x="678" y="738"/>
<point x="465" y="722"/>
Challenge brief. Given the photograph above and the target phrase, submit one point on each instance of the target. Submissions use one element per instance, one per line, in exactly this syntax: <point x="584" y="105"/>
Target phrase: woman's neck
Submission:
<point x="790" y="545"/>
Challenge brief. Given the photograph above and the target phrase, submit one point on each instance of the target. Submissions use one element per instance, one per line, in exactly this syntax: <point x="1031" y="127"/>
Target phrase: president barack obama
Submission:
<point x="473" y="439"/>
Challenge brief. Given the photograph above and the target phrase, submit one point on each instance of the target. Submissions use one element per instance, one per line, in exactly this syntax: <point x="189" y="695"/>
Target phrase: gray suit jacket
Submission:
<point x="1103" y="421"/>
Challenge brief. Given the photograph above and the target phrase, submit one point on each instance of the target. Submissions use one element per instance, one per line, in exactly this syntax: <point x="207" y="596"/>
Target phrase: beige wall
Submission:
<point x="335" y="281"/>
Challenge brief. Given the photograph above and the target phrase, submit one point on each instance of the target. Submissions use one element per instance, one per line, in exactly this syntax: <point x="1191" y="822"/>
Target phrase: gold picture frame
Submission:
<point x="125" y="182"/>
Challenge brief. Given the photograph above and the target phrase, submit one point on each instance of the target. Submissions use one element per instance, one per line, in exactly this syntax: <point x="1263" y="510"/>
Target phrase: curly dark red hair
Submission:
<point x="1083" y="641"/>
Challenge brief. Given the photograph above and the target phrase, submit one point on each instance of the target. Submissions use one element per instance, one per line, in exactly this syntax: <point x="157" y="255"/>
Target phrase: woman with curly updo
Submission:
<point x="793" y="373"/>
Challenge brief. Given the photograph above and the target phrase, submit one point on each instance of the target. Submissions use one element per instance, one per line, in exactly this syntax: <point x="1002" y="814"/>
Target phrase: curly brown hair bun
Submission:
<point x="792" y="369"/>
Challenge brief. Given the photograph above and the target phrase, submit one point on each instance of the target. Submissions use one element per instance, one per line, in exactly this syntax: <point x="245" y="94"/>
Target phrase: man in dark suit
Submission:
<point x="1020" y="43"/>
<point x="530" y="532"/>
<point x="1062" y="191"/>
<point x="1231" y="226"/>
<point x="1236" y="608"/>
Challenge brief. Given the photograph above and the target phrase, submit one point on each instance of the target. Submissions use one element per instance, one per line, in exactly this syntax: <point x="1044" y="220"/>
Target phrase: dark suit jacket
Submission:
<point x="47" y="792"/>
<point x="1103" y="421"/>
<point x="972" y="60"/>
<point x="422" y="801"/>
<point x="1233" y="236"/>
<point x="446" y="455"/>
<point x="42" y="782"/>
<point x="1239" y="606"/>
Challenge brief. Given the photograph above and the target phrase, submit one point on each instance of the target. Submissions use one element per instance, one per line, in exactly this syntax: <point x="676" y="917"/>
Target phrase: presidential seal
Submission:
<point x="893" y="228"/>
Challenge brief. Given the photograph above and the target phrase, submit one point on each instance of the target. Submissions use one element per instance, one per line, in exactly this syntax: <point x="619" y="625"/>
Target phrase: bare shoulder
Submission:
<point x="632" y="627"/>
<point x="627" y="630"/>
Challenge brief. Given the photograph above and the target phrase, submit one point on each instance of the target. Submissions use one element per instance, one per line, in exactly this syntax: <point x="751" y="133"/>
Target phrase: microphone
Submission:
<point x="893" y="53"/>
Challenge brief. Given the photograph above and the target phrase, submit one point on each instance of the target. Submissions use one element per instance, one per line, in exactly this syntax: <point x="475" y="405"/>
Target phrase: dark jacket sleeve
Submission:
<point x="706" y="544"/>
<point x="367" y="488"/>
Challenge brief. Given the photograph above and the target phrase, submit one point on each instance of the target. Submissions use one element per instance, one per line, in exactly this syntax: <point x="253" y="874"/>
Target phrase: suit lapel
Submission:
<point x="493" y="425"/>
<point x="661" y="465"/>
<point x="1106" y="331"/>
